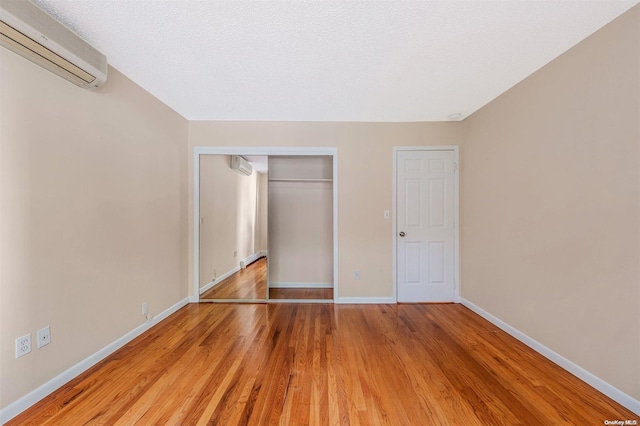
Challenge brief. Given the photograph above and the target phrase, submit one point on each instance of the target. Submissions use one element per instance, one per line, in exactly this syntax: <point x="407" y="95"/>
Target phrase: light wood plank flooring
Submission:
<point x="249" y="283"/>
<point x="290" y="364"/>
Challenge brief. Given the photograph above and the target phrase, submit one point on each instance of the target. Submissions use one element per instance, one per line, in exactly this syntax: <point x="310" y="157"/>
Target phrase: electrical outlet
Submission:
<point x="356" y="274"/>
<point x="23" y="345"/>
<point x="44" y="337"/>
<point x="235" y="254"/>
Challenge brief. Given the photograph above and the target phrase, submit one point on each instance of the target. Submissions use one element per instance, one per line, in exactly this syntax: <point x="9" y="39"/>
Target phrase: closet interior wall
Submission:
<point x="300" y="222"/>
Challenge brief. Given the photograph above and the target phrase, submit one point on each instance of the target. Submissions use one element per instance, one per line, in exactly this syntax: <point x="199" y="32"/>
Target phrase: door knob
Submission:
<point x="402" y="234"/>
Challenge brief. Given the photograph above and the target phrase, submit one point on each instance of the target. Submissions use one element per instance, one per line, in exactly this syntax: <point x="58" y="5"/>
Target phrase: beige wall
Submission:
<point x="92" y="214"/>
<point x="229" y="214"/>
<point x="365" y="180"/>
<point x="551" y="208"/>
<point x="301" y="167"/>
<point x="300" y="222"/>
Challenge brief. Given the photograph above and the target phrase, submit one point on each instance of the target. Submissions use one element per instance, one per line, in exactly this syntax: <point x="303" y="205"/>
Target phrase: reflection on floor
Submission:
<point x="249" y="283"/>
<point x="300" y="293"/>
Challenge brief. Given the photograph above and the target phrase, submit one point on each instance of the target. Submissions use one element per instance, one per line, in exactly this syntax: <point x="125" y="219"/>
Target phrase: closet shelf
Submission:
<point x="299" y="180"/>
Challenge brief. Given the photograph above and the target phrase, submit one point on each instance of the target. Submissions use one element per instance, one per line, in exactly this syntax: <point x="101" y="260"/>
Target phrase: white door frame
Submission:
<point x="456" y="196"/>
<point x="268" y="151"/>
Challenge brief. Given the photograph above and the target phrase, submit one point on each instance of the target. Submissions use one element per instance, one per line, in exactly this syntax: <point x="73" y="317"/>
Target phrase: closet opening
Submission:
<point x="265" y="225"/>
<point x="300" y="232"/>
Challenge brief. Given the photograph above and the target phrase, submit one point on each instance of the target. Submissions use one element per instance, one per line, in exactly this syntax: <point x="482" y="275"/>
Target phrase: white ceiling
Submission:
<point x="331" y="60"/>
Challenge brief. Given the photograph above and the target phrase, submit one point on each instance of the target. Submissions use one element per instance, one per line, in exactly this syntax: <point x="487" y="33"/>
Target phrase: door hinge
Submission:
<point x="455" y="166"/>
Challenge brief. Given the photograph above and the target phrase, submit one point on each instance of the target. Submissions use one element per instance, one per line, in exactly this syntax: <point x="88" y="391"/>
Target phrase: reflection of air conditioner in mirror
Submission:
<point x="30" y="32"/>
<point x="241" y="165"/>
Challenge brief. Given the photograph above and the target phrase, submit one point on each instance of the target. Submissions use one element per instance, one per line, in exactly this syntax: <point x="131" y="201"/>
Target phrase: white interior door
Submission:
<point x="425" y="226"/>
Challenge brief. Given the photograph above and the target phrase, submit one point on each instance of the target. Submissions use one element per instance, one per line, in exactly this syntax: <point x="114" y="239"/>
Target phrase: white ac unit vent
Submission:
<point x="241" y="165"/>
<point x="32" y="33"/>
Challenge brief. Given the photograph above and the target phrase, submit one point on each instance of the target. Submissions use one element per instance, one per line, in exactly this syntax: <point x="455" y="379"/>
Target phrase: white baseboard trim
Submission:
<point x="18" y="406"/>
<point x="596" y="382"/>
<point x="219" y="279"/>
<point x="299" y="285"/>
<point x="252" y="258"/>
<point x="364" y="300"/>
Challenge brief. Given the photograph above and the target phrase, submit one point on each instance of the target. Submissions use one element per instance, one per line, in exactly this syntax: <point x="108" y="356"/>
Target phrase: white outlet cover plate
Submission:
<point x="23" y="345"/>
<point x="44" y="336"/>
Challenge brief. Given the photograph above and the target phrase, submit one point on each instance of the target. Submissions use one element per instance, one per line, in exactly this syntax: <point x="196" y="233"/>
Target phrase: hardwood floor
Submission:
<point x="249" y="283"/>
<point x="301" y="293"/>
<point x="299" y="364"/>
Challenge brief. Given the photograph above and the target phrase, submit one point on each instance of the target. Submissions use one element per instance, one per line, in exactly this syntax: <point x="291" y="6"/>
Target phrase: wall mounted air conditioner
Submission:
<point x="30" y="32"/>
<point x="241" y="165"/>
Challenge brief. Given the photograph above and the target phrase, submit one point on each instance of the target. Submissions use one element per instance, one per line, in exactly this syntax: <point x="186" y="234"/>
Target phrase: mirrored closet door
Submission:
<point x="233" y="228"/>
